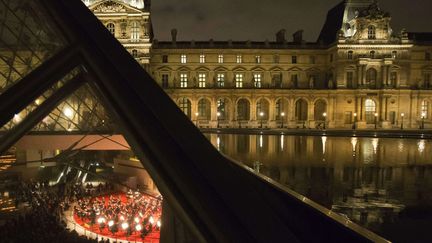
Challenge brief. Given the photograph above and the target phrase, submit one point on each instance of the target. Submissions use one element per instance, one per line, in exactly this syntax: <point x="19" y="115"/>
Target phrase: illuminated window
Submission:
<point x="221" y="108"/>
<point x="111" y="28"/>
<point x="135" y="32"/>
<point x="185" y="106"/>
<point x="203" y="108"/>
<point x="371" y="32"/>
<point x="425" y="109"/>
<point x="183" y="80"/>
<point x="239" y="80"/>
<point x="220" y="58"/>
<point x="239" y="59"/>
<point x="257" y="59"/>
<point x="202" y="58"/>
<point x="220" y="80"/>
<point x="183" y="58"/>
<point x="370" y="108"/>
<point x="202" y="80"/>
<point x="257" y="80"/>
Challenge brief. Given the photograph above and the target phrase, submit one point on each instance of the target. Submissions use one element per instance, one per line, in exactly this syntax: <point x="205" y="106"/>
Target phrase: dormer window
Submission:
<point x="111" y="28"/>
<point x="372" y="54"/>
<point x="371" y="32"/>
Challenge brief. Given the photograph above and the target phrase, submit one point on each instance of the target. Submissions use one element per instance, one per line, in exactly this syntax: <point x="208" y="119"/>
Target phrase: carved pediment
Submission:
<point x="113" y="6"/>
<point x="109" y="7"/>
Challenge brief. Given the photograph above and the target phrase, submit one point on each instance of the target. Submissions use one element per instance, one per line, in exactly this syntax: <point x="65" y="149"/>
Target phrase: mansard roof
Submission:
<point x="341" y="14"/>
<point x="234" y="45"/>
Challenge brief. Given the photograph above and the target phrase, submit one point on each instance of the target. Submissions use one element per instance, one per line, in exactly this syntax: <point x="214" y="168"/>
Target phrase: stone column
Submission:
<point x="359" y="76"/>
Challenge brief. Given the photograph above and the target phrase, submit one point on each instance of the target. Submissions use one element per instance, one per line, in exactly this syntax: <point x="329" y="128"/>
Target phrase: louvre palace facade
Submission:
<point x="358" y="74"/>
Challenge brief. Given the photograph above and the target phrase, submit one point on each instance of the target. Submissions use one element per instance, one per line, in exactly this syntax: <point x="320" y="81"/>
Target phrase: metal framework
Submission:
<point x="217" y="199"/>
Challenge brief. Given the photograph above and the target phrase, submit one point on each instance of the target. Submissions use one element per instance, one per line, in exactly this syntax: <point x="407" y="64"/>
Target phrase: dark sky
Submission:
<point x="261" y="19"/>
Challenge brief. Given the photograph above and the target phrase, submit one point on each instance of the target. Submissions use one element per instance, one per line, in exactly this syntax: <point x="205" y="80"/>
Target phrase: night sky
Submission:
<point x="261" y="19"/>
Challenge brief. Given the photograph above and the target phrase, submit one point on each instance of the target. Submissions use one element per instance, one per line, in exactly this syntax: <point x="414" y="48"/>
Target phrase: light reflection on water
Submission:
<point x="370" y="180"/>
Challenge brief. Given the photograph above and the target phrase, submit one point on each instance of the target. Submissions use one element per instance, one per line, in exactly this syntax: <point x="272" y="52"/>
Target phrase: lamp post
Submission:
<point x="325" y="119"/>
<point x="261" y="119"/>
<point x="423" y="116"/>
<point x="355" y="121"/>
<point x="218" y="115"/>
<point x="376" y="119"/>
<point x="282" y="119"/>
<point x="196" y="117"/>
<point x="402" y="117"/>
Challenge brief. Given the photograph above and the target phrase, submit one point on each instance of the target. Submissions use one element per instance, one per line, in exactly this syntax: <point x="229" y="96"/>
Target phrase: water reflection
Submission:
<point x="370" y="180"/>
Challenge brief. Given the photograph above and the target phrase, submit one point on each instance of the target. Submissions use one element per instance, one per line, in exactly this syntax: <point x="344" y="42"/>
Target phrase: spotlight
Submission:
<point x="138" y="227"/>
<point x="136" y="220"/>
<point x="110" y="223"/>
<point x="124" y="225"/>
<point x="151" y="220"/>
<point x="101" y="220"/>
<point x="158" y="223"/>
<point x="122" y="218"/>
<point x="68" y="112"/>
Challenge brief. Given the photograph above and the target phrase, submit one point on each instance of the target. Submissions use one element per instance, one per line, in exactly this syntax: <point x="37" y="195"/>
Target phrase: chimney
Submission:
<point x="298" y="36"/>
<point x="280" y="36"/>
<point x="174" y="36"/>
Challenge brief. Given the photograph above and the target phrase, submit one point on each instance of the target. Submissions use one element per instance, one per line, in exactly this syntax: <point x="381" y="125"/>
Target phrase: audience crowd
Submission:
<point x="40" y="219"/>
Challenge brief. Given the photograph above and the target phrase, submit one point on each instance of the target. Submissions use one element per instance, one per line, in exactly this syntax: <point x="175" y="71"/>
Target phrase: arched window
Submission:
<point x="371" y="32"/>
<point x="243" y="110"/>
<point x="319" y="110"/>
<point x="185" y="106"/>
<point x="370" y="108"/>
<point x="204" y="111"/>
<point x="111" y="28"/>
<point x="135" y="31"/>
<point x="262" y="109"/>
<point x="301" y="110"/>
<point x="425" y="109"/>
<point x="221" y="108"/>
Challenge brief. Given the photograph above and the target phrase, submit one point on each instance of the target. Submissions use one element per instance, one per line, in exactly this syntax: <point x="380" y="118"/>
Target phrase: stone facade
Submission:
<point x="358" y="74"/>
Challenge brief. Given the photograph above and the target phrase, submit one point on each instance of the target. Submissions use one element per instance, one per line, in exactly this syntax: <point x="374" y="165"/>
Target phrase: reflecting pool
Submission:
<point x="384" y="184"/>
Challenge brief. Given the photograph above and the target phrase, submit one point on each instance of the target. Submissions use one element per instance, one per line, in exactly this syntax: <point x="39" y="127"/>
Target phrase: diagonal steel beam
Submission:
<point x="13" y="135"/>
<point x="24" y="92"/>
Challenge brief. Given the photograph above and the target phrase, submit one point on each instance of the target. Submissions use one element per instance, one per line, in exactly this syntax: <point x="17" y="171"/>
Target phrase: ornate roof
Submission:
<point x="373" y="12"/>
<point x="134" y="3"/>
